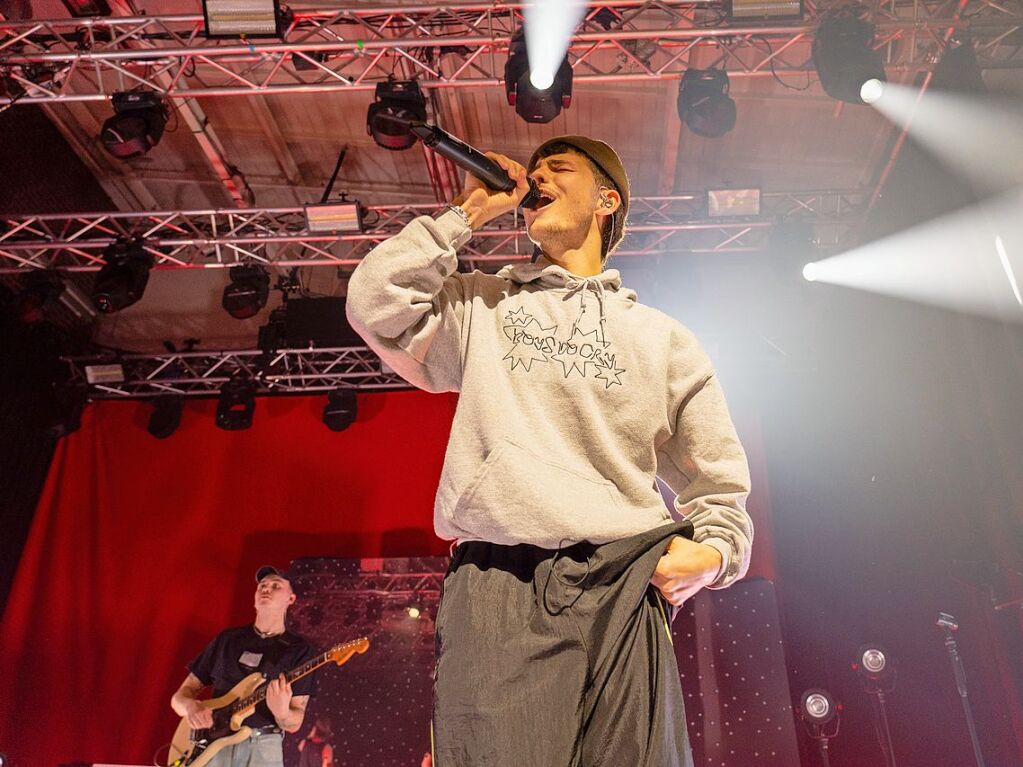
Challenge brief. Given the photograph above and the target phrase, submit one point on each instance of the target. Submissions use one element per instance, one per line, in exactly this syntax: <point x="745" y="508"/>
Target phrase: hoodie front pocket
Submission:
<point x="516" y="494"/>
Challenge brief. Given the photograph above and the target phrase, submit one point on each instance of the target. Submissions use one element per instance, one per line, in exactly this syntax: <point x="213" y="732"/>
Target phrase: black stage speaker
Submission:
<point x="318" y="322"/>
<point x="304" y="323"/>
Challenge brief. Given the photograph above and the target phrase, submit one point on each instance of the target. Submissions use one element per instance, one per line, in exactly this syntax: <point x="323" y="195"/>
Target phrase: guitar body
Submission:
<point x="196" y="748"/>
<point x="226" y="730"/>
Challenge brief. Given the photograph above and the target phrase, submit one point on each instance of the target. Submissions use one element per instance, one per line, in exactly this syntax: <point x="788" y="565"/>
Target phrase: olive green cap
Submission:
<point x="607" y="160"/>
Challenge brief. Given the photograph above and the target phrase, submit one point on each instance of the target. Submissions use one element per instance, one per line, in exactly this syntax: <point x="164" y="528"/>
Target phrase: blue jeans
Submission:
<point x="256" y="751"/>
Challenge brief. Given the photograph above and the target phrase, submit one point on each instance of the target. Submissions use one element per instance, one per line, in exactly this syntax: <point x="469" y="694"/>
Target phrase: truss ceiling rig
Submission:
<point x="451" y="45"/>
<point x="202" y="373"/>
<point x="75" y="242"/>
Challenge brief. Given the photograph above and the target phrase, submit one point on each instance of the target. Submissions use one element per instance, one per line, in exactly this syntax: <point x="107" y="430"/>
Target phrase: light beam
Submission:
<point x="549" y="26"/>
<point x="978" y="136"/>
<point x="966" y="261"/>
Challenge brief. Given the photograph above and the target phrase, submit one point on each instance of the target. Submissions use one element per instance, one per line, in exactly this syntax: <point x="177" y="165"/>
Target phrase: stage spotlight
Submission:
<point x="871" y="91"/>
<point x="242" y="18"/>
<point x="136" y="126"/>
<point x="723" y="203"/>
<point x="704" y="104"/>
<point x="85" y="8"/>
<point x="123" y="278"/>
<point x="166" y="415"/>
<point x="819" y="713"/>
<point x="236" y="404"/>
<point x="810" y="272"/>
<point x="845" y="59"/>
<point x="341" y="409"/>
<point x="876" y="669"/>
<point x="547" y="29"/>
<point x="818" y="707"/>
<point x="541" y="80"/>
<point x="958" y="70"/>
<point x="414" y="612"/>
<point x="874" y="664"/>
<point x="533" y="103"/>
<point x="340" y="216"/>
<point x="247" y="292"/>
<point x="763" y="10"/>
<point x="41" y="289"/>
<point x="398" y="102"/>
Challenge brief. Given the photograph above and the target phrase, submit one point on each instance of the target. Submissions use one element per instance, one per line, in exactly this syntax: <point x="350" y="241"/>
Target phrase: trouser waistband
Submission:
<point x="267" y="730"/>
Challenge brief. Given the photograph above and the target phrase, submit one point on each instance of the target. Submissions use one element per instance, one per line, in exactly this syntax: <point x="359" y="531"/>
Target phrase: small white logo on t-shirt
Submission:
<point x="251" y="659"/>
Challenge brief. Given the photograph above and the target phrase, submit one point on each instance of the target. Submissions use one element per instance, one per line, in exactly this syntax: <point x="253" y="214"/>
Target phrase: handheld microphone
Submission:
<point x="472" y="160"/>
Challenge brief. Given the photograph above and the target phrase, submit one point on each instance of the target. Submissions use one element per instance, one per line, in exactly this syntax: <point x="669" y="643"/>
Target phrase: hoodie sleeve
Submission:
<point x="409" y="303"/>
<point x="704" y="463"/>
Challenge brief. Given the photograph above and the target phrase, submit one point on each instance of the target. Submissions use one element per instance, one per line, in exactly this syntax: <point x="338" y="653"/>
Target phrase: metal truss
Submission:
<point x="278" y="236"/>
<point x="202" y="373"/>
<point x="452" y="45"/>
<point x="341" y="598"/>
<point x="351" y="576"/>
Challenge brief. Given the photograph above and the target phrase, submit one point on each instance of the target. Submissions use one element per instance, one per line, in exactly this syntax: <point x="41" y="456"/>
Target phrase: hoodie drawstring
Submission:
<point x="582" y="286"/>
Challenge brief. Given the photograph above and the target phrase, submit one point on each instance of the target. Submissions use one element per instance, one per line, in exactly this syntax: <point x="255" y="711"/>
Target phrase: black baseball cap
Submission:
<point x="266" y="570"/>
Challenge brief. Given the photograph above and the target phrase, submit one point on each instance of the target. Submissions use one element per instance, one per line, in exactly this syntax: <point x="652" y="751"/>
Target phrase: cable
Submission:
<point x="809" y="81"/>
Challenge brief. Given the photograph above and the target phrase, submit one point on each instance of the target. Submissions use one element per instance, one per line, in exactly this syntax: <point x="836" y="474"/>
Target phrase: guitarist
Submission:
<point x="266" y="646"/>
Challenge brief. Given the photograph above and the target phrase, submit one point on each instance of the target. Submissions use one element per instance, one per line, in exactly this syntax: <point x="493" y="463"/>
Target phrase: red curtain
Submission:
<point x="142" y="550"/>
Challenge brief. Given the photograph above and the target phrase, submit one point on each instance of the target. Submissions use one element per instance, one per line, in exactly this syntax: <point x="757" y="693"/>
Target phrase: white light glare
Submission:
<point x="541" y="80"/>
<point x="871" y="91"/>
<point x="874" y="660"/>
<point x="817" y="705"/>
<point x="549" y="25"/>
<point x="980" y="136"/>
<point x="413" y="612"/>
<point x="968" y="261"/>
<point x="1003" y="258"/>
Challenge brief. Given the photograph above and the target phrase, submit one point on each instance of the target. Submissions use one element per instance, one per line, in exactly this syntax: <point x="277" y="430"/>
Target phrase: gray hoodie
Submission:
<point x="573" y="398"/>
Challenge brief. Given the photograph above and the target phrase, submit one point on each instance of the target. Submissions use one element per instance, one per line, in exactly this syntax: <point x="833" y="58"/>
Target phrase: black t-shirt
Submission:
<point x="237" y="652"/>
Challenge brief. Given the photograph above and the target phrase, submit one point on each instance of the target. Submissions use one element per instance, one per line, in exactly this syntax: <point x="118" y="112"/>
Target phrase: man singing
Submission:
<point x="552" y="647"/>
<point x="266" y="646"/>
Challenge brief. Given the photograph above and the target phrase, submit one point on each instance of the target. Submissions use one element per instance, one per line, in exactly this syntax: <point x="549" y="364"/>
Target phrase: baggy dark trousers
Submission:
<point x="558" y="658"/>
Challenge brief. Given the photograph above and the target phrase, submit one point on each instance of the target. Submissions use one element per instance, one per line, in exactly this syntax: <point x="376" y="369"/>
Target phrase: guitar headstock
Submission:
<point x="340" y="653"/>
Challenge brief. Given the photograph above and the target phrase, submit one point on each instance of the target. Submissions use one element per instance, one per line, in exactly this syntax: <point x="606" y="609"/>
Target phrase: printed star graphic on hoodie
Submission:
<point x="531" y="342"/>
<point x="584" y="349"/>
<point x="583" y="353"/>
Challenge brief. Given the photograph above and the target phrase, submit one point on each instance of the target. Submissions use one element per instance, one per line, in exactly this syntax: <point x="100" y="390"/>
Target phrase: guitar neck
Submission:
<point x="294" y="675"/>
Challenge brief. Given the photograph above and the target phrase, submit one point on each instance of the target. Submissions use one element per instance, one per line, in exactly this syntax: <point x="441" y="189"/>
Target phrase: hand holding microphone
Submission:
<point x="494" y="184"/>
<point x="483" y="203"/>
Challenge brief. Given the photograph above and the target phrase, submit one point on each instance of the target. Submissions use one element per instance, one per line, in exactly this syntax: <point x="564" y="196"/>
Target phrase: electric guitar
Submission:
<point x="198" y="747"/>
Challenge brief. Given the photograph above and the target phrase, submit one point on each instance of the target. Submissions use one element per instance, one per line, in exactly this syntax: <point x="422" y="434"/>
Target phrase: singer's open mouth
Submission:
<point x="545" y="200"/>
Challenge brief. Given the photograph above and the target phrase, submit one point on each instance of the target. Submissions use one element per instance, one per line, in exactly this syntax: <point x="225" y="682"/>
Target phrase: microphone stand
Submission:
<point x="949" y="626"/>
<point x="884" y="732"/>
<point x="818" y="733"/>
<point x="822" y="742"/>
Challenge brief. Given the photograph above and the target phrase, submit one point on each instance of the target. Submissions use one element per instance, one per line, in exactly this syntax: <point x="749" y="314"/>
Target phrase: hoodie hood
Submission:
<point x="547" y="274"/>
